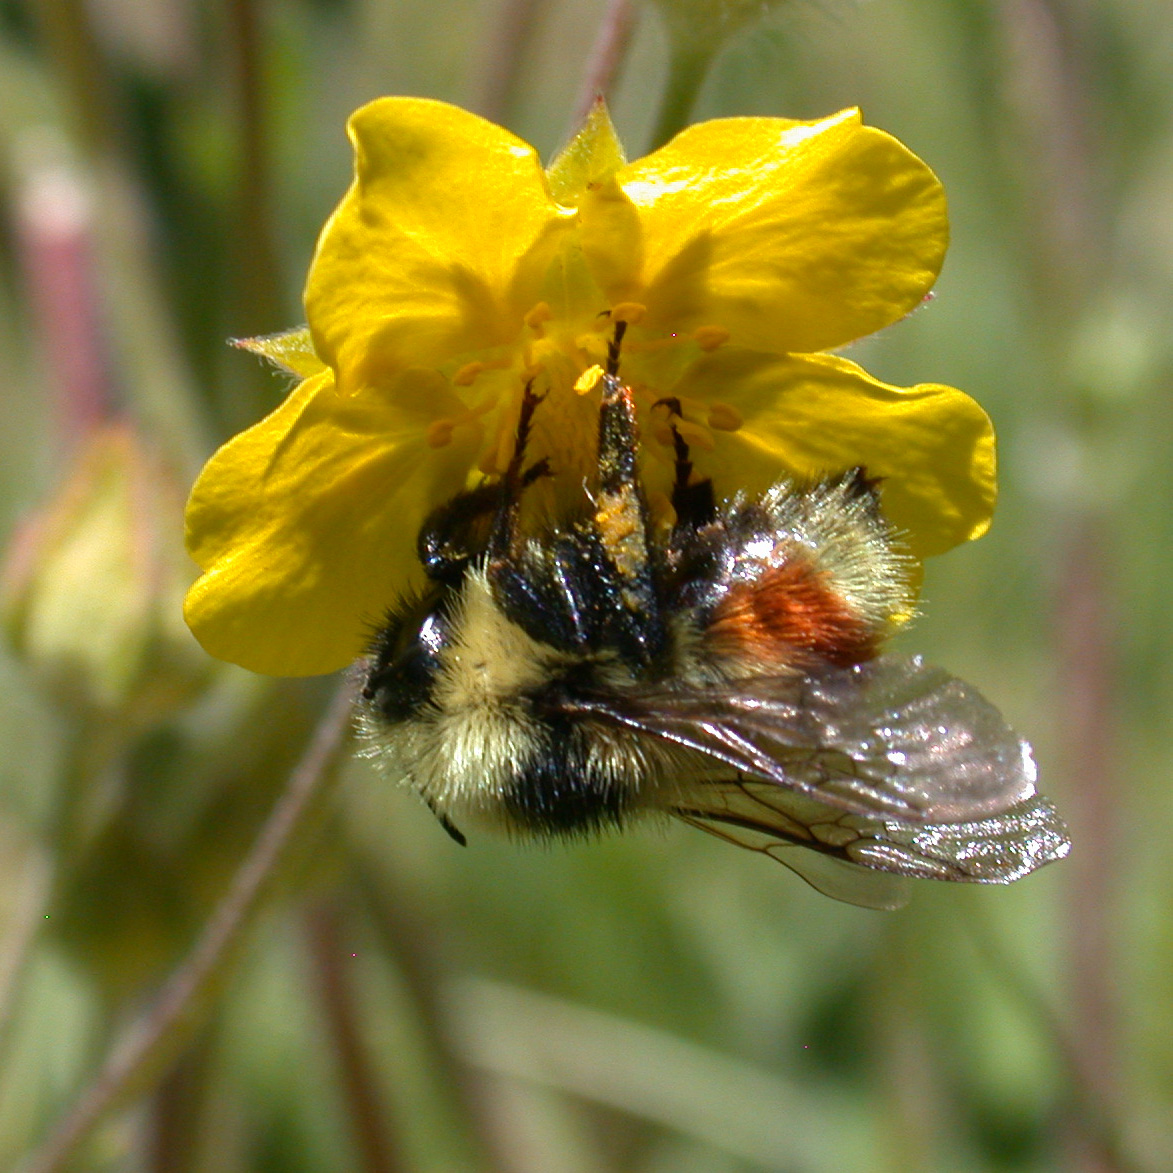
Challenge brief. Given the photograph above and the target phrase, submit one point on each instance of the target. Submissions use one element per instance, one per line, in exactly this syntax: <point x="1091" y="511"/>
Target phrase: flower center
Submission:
<point x="561" y="360"/>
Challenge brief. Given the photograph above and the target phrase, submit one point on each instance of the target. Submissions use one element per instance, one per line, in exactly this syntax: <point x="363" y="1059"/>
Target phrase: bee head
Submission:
<point x="405" y="657"/>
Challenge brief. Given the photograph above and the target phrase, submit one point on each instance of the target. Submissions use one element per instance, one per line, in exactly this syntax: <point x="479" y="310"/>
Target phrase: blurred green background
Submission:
<point x="659" y="1003"/>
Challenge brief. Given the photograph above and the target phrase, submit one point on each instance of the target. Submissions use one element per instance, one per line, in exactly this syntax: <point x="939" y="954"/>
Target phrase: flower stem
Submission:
<point x="516" y="23"/>
<point x="260" y="285"/>
<point x="374" y="1138"/>
<point x="178" y="1109"/>
<point x="409" y="942"/>
<point x="187" y="996"/>
<point x="687" y="69"/>
<point x="607" y="54"/>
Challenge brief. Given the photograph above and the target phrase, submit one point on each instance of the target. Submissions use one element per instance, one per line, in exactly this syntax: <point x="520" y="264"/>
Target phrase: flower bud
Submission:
<point x="92" y="586"/>
<point x="706" y="24"/>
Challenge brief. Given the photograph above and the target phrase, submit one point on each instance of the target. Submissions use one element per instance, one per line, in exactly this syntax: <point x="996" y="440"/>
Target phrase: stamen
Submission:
<point x="661" y="511"/>
<point x="537" y="318"/>
<point x="663" y="415"/>
<point x="724" y="417"/>
<point x="663" y="451"/>
<point x="588" y="380"/>
<point x="695" y="434"/>
<point x="628" y="312"/>
<point x="710" y="337"/>
<point x="492" y="463"/>
<point x="439" y="433"/>
<point x="467" y="374"/>
<point x="653" y="345"/>
<point x="593" y="347"/>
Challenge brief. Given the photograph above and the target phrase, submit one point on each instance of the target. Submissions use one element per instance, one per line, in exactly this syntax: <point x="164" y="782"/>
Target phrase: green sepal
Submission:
<point x="593" y="155"/>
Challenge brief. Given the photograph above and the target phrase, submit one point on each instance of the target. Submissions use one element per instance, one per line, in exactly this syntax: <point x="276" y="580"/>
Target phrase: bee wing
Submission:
<point x="720" y="809"/>
<point x="867" y="861"/>
<point x="891" y="738"/>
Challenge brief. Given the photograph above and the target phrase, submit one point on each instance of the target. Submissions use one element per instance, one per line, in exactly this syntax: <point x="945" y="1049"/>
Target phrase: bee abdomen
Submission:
<point x="561" y="792"/>
<point x="787" y="615"/>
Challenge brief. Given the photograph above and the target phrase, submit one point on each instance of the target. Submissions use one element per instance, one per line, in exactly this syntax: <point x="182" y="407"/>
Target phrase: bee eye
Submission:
<point x="400" y="683"/>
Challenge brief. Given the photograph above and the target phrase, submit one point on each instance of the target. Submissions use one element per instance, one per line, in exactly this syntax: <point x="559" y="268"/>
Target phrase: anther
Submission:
<point x="710" y="337"/>
<point x="538" y="316"/>
<point x="694" y="434"/>
<point x="467" y="374"/>
<point x="588" y="380"/>
<point x="724" y="417"/>
<point x="439" y="433"/>
<point x="628" y="312"/>
<point x="661" y="510"/>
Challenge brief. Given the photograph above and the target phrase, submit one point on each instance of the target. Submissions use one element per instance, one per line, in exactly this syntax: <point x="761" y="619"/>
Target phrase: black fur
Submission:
<point x="558" y="794"/>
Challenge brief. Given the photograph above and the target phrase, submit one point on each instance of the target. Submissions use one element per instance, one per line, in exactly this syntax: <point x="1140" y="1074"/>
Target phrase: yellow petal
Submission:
<point x="438" y="249"/>
<point x="794" y="236"/>
<point x="305" y="525"/>
<point x="592" y="155"/>
<point x="931" y="446"/>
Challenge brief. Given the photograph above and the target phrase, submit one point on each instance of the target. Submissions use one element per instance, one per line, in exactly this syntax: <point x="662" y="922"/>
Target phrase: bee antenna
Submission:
<point x="453" y="830"/>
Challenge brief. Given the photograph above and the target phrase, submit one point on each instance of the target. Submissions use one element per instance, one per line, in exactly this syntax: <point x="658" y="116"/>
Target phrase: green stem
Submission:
<point x="261" y="293"/>
<point x="508" y="40"/>
<point x="409" y="943"/>
<point x="606" y="59"/>
<point x="379" y="1147"/>
<point x="687" y="69"/>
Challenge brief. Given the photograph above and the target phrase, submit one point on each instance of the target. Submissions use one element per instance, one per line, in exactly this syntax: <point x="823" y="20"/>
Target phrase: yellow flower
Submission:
<point x="455" y="270"/>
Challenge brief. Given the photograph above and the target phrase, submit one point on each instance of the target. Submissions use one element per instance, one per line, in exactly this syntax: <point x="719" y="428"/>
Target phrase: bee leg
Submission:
<point x="464" y="528"/>
<point x="457" y="532"/>
<point x="593" y="586"/>
<point x="540" y="587"/>
<point x="535" y="472"/>
<point x="504" y="539"/>
<point x="694" y="504"/>
<point x="620" y="529"/>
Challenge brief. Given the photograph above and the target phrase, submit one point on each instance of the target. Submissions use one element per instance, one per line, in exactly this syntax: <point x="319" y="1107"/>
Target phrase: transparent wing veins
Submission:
<point x="886" y="770"/>
<point x="891" y="738"/>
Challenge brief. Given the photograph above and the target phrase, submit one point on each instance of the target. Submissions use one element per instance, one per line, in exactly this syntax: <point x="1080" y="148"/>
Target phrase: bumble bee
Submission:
<point x="726" y="672"/>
